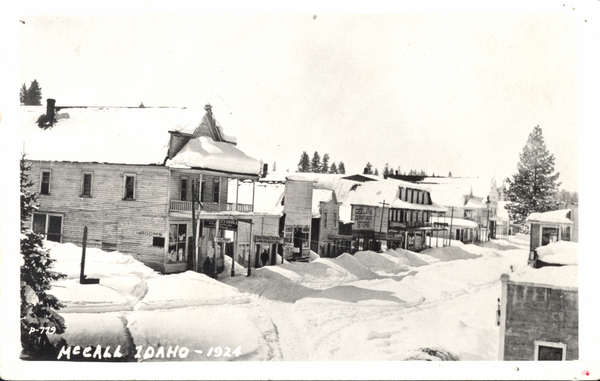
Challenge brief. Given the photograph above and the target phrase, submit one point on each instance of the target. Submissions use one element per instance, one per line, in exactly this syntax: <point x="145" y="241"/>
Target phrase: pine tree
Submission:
<point x="274" y="166"/>
<point x="325" y="163"/>
<point x="376" y="172"/>
<point x="341" y="168"/>
<point x="31" y="96"/>
<point x="24" y="95"/>
<point x="304" y="163"/>
<point x="37" y="307"/>
<point x="386" y="170"/>
<point x="333" y="168"/>
<point x="533" y="188"/>
<point x="315" y="163"/>
<point x="368" y="169"/>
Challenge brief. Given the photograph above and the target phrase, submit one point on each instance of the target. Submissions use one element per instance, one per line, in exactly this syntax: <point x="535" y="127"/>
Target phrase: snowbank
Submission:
<point x="93" y="329"/>
<point x="410" y="258"/>
<point x="98" y="263"/>
<point x="354" y="266"/>
<point x="561" y="252"/>
<point x="380" y="263"/>
<point x="116" y="295"/>
<point x="449" y="253"/>
<point x="557" y="276"/>
<point x="202" y="328"/>
<point x="188" y="289"/>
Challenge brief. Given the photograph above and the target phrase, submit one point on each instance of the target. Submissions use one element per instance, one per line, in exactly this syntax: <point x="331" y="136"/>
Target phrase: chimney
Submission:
<point x="50" y="108"/>
<point x="265" y="169"/>
<point x="396" y="172"/>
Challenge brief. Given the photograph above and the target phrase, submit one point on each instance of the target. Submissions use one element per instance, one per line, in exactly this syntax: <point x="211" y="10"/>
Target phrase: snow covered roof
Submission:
<point x="557" y="276"/>
<point x="561" y="252"/>
<point x="555" y="216"/>
<point x="204" y="152"/>
<point x="475" y="203"/>
<point x="123" y="135"/>
<point x="456" y="222"/>
<point x="318" y="196"/>
<point x="451" y="191"/>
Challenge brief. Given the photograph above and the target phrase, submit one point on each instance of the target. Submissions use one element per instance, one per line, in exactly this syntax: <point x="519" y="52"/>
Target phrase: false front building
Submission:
<point x="138" y="179"/>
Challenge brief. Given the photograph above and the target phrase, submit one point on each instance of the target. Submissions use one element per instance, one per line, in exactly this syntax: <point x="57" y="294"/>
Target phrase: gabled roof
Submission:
<point x="121" y="135"/>
<point x="205" y="153"/>
<point x="318" y="196"/>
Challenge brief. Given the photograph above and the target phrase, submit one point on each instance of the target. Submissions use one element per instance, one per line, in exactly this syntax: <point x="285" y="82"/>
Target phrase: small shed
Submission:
<point x="548" y="227"/>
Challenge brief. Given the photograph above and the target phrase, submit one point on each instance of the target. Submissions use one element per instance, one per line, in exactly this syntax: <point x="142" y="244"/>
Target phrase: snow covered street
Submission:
<point x="399" y="305"/>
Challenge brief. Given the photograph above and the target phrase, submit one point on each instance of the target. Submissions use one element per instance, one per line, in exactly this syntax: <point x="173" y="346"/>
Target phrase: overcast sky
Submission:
<point x="440" y="93"/>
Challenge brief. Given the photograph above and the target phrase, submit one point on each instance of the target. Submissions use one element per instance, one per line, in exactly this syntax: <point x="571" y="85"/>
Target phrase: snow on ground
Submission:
<point x="397" y="305"/>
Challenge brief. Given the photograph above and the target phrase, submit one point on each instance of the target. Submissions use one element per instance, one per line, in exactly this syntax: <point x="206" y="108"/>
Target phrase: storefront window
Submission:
<point x="177" y="243"/>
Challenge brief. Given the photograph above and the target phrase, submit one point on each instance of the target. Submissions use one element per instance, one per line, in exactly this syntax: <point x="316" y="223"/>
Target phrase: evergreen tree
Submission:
<point x="37" y="307"/>
<point x="386" y="170"/>
<point x="376" y="172"/>
<point x="368" y="169"/>
<point x="341" y="168"/>
<point x="304" y="163"/>
<point x="274" y="166"/>
<point x="315" y="163"/>
<point x="333" y="168"/>
<point x="31" y="96"/>
<point x="325" y="163"/>
<point x="533" y="188"/>
<point x="24" y="95"/>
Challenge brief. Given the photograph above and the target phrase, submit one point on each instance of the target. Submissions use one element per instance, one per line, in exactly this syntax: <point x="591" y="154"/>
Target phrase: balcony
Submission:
<point x="186" y="206"/>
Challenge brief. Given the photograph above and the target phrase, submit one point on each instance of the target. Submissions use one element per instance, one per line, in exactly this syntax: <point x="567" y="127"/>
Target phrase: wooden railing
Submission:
<point x="186" y="206"/>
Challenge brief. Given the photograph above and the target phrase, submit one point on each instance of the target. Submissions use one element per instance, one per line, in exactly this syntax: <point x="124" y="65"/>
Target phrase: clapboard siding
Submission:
<point x="147" y="213"/>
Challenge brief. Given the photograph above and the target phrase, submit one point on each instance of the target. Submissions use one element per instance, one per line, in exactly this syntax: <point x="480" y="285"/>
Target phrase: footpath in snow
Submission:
<point x="397" y="305"/>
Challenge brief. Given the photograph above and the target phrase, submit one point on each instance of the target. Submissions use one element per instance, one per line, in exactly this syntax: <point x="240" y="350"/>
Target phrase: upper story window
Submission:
<point x="216" y="186"/>
<point x="45" y="183"/>
<point x="184" y="188"/>
<point x="202" y="187"/>
<point x="129" y="187"/>
<point x="86" y="184"/>
<point x="335" y="219"/>
<point x="325" y="220"/>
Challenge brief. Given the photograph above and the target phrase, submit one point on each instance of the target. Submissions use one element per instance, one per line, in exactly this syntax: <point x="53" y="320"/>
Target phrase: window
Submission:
<point x="335" y="219"/>
<point x="202" y="186"/>
<point x="547" y="351"/>
<point x="177" y="243"/>
<point x="403" y="194"/>
<point x="324" y="220"/>
<point x="183" y="193"/>
<point x="216" y="183"/>
<point x="49" y="225"/>
<point x="86" y="185"/>
<point x="45" y="183"/>
<point x="129" y="188"/>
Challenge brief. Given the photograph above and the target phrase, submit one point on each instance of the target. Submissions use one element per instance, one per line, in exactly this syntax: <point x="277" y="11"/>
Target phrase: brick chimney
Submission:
<point x="265" y="169"/>
<point x="50" y="103"/>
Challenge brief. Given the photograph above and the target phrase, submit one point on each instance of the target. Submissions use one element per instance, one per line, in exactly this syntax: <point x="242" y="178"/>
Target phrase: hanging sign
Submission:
<point x="223" y="224"/>
<point x="220" y="239"/>
<point x="268" y="239"/>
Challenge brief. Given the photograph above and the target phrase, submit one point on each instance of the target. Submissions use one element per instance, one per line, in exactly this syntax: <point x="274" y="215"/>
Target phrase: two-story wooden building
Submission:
<point x="131" y="176"/>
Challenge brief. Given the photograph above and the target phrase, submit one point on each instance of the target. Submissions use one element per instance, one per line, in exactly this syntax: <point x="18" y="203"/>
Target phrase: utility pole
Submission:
<point x="450" y="235"/>
<point x="381" y="224"/>
<point x="194" y="236"/>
